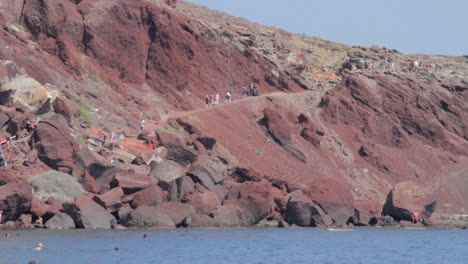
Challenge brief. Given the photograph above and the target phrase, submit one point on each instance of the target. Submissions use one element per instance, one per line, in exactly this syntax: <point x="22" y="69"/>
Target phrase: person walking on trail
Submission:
<point x="251" y="90"/>
<point x="228" y="96"/>
<point x="217" y="98"/>
<point x="255" y="91"/>
<point x="244" y="91"/>
<point x="212" y="99"/>
<point x="207" y="101"/>
<point x="3" y="162"/>
<point x="142" y="124"/>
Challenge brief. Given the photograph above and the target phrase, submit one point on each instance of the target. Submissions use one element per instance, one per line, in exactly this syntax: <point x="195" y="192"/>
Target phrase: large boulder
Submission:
<point x="255" y="199"/>
<point x="55" y="145"/>
<point x="166" y="171"/>
<point x="45" y="209"/>
<point x="404" y="200"/>
<point x="176" y="150"/>
<point x="179" y="188"/>
<point x="148" y="216"/>
<point x="203" y="202"/>
<point x="88" y="214"/>
<point x="181" y="155"/>
<point x="15" y="199"/>
<point x="122" y="155"/>
<point x="111" y="199"/>
<point x="151" y="196"/>
<point x="228" y="216"/>
<point x="302" y="211"/>
<point x="28" y="93"/>
<point x="60" y="221"/>
<point x="88" y="163"/>
<point x="223" y="216"/>
<point x="178" y="212"/>
<point x="208" y="173"/>
<point x="58" y="185"/>
<point x="62" y="107"/>
<point x="202" y="221"/>
<point x="24" y="221"/>
<point x="130" y="182"/>
<point x="336" y="198"/>
<point x="243" y="175"/>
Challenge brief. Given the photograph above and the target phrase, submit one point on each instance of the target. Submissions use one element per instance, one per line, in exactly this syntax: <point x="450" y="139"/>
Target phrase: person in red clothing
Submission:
<point x="30" y="127"/>
<point x="415" y="217"/>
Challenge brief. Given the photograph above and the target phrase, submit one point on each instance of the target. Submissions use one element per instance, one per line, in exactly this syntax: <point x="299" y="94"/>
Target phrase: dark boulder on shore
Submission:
<point x="60" y="221"/>
<point x="301" y="211"/>
<point x="255" y="199"/>
<point x="149" y="217"/>
<point x="88" y="214"/>
<point x="15" y="199"/>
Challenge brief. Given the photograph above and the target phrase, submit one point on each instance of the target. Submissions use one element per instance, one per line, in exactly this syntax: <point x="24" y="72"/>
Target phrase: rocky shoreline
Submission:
<point x="330" y="141"/>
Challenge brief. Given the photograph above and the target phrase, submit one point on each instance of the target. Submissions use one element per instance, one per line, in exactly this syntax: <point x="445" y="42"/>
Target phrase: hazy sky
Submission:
<point x="410" y="26"/>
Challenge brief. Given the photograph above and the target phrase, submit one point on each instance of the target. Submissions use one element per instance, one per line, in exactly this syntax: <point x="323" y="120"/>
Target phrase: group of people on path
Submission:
<point x="419" y="66"/>
<point x="214" y="99"/>
<point x="389" y="65"/>
<point x="211" y="100"/>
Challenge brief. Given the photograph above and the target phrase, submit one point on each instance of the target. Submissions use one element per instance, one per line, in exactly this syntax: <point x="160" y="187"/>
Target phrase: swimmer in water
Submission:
<point x="326" y="228"/>
<point x="40" y="246"/>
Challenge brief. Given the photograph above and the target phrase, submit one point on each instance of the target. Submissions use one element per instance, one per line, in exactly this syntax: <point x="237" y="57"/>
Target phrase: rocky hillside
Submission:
<point x="339" y="134"/>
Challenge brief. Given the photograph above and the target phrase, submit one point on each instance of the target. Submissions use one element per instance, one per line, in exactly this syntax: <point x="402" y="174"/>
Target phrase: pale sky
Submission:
<point x="410" y="26"/>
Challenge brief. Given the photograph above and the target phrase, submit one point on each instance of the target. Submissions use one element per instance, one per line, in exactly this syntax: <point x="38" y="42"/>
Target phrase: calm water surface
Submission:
<point x="307" y="245"/>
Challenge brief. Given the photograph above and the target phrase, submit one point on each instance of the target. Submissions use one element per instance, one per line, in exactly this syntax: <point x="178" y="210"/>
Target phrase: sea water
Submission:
<point x="291" y="245"/>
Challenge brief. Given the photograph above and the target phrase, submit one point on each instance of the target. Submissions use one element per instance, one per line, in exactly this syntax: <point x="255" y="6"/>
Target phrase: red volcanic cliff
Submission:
<point x="338" y="135"/>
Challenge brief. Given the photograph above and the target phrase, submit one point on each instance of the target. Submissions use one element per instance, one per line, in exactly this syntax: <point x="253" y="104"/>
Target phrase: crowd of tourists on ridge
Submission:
<point x="213" y="100"/>
<point x="390" y="66"/>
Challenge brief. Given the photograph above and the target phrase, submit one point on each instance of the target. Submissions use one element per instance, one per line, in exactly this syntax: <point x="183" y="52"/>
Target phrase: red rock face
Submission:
<point x="376" y="143"/>
<point x="405" y="129"/>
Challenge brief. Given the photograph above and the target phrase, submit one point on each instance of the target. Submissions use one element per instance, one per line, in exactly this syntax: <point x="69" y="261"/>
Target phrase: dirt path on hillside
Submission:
<point x="151" y="126"/>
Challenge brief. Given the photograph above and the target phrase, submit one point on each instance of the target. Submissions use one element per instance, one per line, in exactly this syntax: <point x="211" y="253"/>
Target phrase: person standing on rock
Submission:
<point x="217" y="98"/>
<point x="30" y="127"/>
<point x="1" y="216"/>
<point x="415" y="217"/>
<point x="142" y="124"/>
<point x="207" y="101"/>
